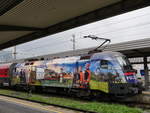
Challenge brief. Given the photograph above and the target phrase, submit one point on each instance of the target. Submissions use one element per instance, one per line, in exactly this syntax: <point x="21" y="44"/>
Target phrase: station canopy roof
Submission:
<point x="26" y="20"/>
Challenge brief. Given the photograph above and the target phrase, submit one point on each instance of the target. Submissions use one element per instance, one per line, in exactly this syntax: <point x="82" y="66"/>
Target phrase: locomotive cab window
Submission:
<point x="124" y="62"/>
<point x="104" y="64"/>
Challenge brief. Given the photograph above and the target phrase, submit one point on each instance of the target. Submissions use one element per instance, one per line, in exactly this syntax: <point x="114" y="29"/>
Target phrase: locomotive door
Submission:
<point x="108" y="72"/>
<point x="32" y="74"/>
<point x="105" y="73"/>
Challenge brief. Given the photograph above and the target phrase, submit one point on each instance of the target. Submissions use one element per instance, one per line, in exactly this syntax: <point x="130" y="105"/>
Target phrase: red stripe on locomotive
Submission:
<point x="4" y="69"/>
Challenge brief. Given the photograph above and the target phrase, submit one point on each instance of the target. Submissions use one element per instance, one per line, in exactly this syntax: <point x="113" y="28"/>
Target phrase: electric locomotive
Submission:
<point x="107" y="72"/>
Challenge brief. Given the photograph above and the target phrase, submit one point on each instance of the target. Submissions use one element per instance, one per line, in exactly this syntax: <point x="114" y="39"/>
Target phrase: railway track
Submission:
<point x="144" y="106"/>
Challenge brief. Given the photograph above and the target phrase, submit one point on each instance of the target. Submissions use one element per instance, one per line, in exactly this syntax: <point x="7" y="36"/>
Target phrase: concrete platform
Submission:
<point x="13" y="105"/>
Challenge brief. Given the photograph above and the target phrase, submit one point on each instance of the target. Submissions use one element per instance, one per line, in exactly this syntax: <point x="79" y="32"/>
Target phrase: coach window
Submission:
<point x="104" y="64"/>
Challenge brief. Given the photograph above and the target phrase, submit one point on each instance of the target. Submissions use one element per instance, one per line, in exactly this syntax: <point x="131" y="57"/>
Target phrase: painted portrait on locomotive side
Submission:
<point x="19" y="74"/>
<point x="82" y="74"/>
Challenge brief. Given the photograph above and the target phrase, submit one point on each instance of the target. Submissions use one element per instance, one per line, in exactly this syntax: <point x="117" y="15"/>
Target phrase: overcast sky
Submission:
<point x="126" y="27"/>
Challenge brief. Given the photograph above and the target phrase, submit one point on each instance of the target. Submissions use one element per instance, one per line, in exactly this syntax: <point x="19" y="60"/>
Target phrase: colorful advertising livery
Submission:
<point x="108" y="72"/>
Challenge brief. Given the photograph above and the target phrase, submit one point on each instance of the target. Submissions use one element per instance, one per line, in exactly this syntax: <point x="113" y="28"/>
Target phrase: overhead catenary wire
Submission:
<point x="120" y="29"/>
<point x="114" y="23"/>
<point x="117" y="22"/>
<point x="62" y="42"/>
<point x="67" y="41"/>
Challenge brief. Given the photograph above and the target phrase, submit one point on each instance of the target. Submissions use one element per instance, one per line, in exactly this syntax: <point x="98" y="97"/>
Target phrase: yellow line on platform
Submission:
<point x="146" y="92"/>
<point x="30" y="104"/>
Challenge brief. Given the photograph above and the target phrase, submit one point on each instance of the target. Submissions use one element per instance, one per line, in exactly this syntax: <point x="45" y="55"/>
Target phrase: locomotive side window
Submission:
<point x="104" y="64"/>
